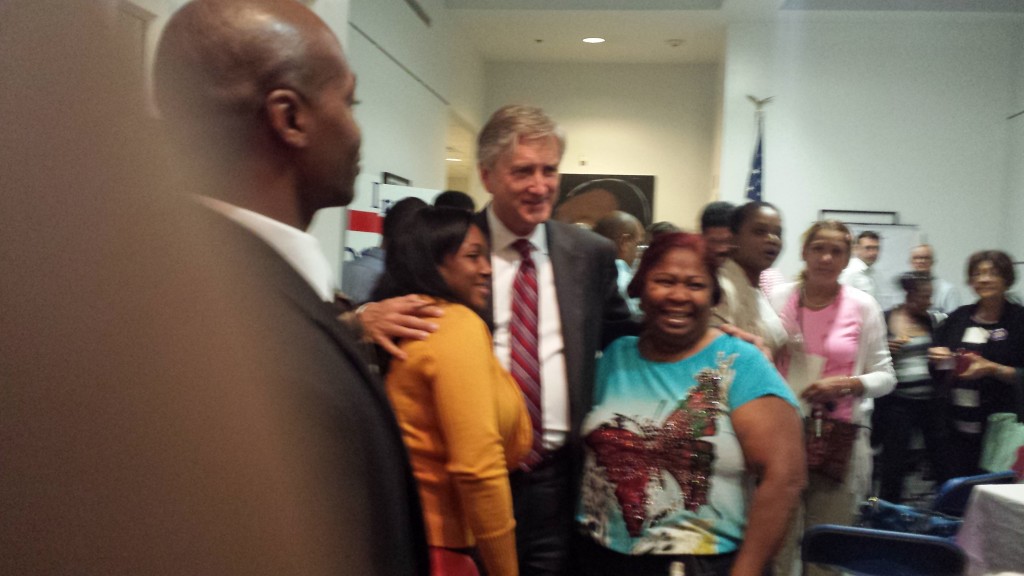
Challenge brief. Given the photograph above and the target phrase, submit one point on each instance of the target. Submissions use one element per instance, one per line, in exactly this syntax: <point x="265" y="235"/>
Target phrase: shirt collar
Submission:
<point x="502" y="238"/>
<point x="300" y="249"/>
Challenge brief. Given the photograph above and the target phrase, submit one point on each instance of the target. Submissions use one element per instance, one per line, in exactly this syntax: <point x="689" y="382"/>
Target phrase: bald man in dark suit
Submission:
<point x="258" y="96"/>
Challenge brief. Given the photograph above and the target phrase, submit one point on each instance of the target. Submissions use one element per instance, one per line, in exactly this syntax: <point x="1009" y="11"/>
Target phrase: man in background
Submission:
<point x="657" y="229"/>
<point x="859" y="272"/>
<point x="455" y="199"/>
<point x="626" y="232"/>
<point x="359" y="276"/>
<point x="945" y="297"/>
<point x="714" y="226"/>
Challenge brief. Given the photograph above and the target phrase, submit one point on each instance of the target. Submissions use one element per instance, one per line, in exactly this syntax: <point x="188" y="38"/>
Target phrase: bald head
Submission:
<point x="624" y="230"/>
<point x="258" y="91"/>
<point x="221" y="57"/>
<point x="922" y="257"/>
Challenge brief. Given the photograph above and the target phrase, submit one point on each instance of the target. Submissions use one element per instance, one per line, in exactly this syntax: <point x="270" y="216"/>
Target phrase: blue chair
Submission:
<point x="868" y="552"/>
<point x="952" y="496"/>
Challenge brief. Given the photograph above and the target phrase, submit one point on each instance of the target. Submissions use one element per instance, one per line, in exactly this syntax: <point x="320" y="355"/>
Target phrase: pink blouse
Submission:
<point x="833" y="333"/>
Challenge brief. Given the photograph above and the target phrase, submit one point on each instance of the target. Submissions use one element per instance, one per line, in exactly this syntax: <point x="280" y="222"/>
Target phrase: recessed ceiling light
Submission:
<point x="453" y="159"/>
<point x="594" y="40"/>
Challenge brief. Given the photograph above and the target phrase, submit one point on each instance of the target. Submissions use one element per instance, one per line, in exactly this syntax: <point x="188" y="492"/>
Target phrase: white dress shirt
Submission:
<point x="554" y="382"/>
<point x="945" y="297"/>
<point x="298" y="248"/>
<point x="624" y="277"/>
<point x="860" y="276"/>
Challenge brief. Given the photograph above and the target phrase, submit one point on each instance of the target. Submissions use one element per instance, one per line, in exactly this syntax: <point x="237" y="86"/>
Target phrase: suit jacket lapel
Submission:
<point x="294" y="288"/>
<point x="572" y="302"/>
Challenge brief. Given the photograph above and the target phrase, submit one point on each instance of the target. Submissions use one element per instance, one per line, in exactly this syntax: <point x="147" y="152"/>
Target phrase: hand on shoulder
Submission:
<point x="396" y="318"/>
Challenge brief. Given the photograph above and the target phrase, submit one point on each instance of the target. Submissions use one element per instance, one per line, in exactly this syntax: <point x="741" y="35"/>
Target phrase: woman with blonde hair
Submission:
<point x="837" y="356"/>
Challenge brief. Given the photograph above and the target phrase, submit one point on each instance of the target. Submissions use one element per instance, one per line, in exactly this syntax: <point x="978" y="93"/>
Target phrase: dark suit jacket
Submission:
<point x="592" y="310"/>
<point x="367" y="475"/>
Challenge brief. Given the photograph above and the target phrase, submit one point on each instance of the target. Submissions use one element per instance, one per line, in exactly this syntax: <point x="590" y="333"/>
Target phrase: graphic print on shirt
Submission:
<point x="633" y="451"/>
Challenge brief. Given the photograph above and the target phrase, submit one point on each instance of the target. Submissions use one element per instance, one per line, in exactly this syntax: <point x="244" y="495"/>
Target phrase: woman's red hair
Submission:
<point x="660" y="246"/>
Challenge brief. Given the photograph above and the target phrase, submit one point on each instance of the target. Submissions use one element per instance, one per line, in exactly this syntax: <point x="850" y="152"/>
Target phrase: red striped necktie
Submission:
<point x="525" y="362"/>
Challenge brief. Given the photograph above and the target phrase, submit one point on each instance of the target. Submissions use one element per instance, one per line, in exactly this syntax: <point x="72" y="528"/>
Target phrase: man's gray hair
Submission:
<point x="513" y="124"/>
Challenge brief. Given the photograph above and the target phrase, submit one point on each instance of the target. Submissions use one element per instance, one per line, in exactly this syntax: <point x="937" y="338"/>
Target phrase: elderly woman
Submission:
<point x="838" y="354"/>
<point x="462" y="416"/>
<point x="988" y="338"/>
<point x="685" y="418"/>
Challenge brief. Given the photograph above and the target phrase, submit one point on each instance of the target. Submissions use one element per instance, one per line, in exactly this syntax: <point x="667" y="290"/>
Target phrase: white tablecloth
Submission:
<point x="993" y="530"/>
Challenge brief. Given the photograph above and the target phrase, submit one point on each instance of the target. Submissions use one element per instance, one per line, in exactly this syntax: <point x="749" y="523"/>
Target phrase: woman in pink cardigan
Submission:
<point x="836" y="360"/>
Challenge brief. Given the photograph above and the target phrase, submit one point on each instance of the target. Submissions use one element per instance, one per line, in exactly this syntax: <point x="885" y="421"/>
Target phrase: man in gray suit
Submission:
<point x="578" y="310"/>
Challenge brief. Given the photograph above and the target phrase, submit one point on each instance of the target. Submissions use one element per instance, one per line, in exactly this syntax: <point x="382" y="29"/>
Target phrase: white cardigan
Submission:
<point x="874" y="363"/>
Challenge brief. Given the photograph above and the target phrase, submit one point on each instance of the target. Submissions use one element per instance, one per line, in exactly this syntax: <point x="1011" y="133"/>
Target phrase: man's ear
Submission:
<point x="484" y="174"/>
<point x="288" y="116"/>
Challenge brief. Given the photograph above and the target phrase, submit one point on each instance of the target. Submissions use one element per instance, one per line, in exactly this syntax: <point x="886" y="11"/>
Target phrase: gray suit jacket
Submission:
<point x="592" y="311"/>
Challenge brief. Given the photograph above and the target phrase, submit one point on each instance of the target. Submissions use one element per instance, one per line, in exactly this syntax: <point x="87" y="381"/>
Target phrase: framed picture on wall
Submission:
<point x="394" y="179"/>
<point x="586" y="198"/>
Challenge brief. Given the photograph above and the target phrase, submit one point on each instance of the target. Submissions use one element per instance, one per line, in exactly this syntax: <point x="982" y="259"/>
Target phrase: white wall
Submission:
<point x="1016" y="160"/>
<point x="409" y="77"/>
<point x="903" y="113"/>
<point x="647" y="119"/>
<point x="327" y="224"/>
<point x="403" y="123"/>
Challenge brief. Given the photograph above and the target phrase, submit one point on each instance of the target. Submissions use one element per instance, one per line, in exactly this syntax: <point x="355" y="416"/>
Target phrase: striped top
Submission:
<point x="913" y="379"/>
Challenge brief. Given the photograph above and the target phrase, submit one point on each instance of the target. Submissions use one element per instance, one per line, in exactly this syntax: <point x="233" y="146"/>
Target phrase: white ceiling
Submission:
<point x="640" y="31"/>
<point x="646" y="30"/>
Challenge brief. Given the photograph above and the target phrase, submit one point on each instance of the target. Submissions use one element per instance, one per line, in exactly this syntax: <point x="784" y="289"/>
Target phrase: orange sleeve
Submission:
<point x="465" y="398"/>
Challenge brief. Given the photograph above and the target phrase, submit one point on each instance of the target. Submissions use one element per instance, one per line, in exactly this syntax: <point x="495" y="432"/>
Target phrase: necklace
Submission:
<point x="816" y="305"/>
<point x="979" y="319"/>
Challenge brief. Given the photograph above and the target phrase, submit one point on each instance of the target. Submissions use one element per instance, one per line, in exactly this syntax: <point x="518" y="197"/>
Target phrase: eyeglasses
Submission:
<point x="984" y="274"/>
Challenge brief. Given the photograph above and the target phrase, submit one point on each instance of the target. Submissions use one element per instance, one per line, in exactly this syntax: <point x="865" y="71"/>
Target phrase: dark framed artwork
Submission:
<point x="586" y="198"/>
<point x="394" y="179"/>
